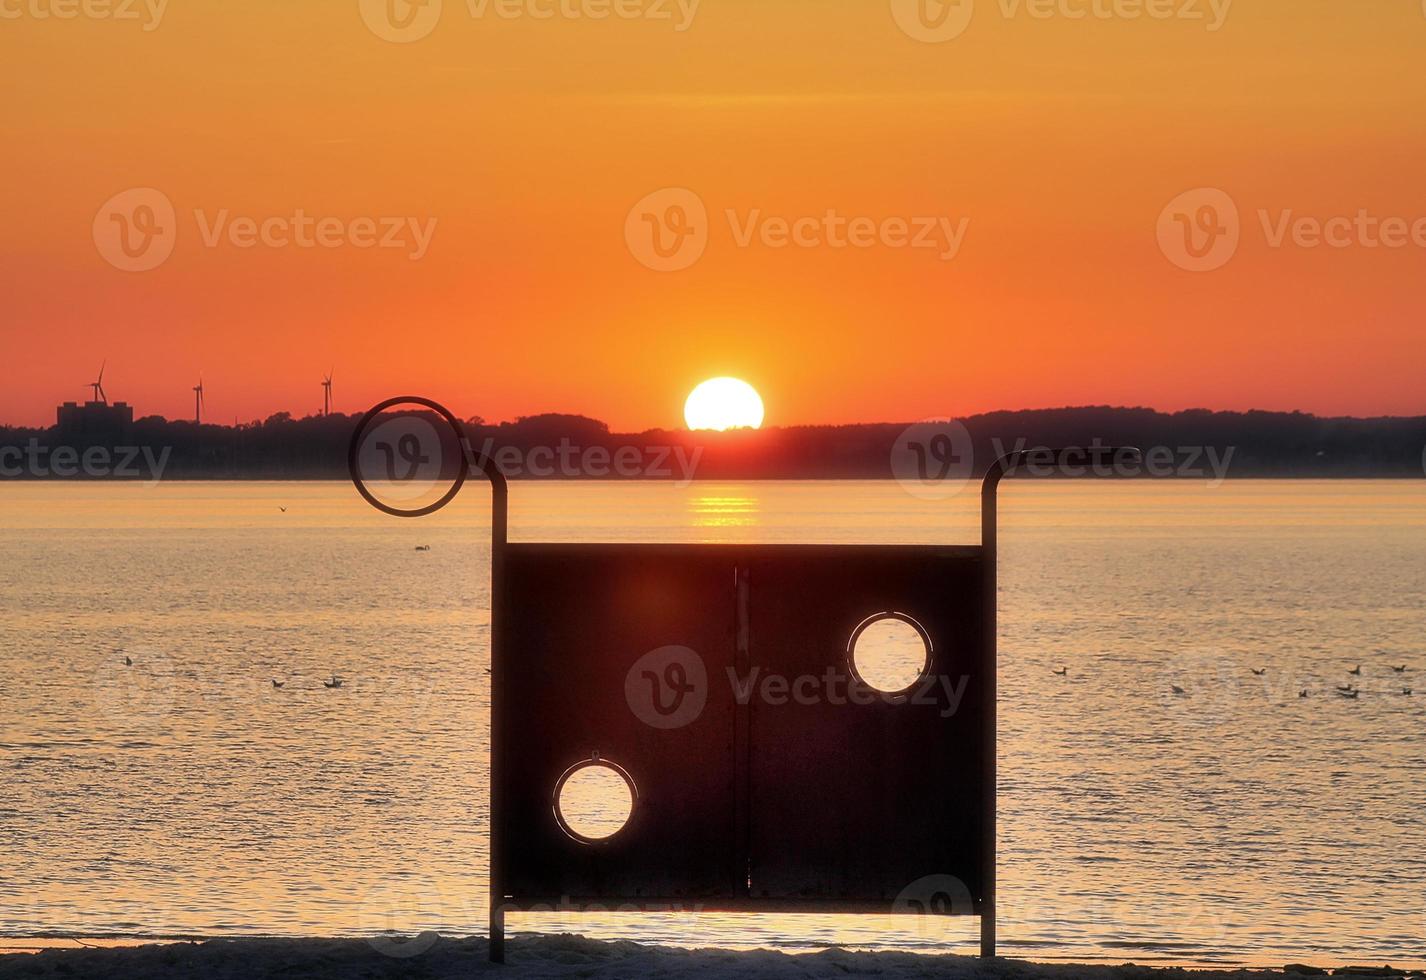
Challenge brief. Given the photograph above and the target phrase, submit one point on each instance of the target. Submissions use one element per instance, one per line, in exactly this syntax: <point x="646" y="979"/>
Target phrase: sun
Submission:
<point x="724" y="403"/>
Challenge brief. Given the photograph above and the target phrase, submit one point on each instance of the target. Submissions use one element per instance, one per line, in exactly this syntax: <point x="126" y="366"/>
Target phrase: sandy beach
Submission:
<point x="433" y="958"/>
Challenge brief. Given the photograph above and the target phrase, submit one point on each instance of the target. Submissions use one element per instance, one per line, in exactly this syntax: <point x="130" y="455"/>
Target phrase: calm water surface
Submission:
<point x="187" y="795"/>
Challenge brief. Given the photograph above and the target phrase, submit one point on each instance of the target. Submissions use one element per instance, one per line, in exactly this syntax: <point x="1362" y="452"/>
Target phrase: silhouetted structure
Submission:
<point x="643" y="659"/>
<point x="94" y="423"/>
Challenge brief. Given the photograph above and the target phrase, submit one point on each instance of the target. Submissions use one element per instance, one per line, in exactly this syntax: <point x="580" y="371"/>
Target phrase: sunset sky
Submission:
<point x="528" y="140"/>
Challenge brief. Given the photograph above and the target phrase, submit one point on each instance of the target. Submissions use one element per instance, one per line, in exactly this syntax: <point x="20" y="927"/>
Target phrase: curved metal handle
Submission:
<point x="1069" y="456"/>
<point x="499" y="487"/>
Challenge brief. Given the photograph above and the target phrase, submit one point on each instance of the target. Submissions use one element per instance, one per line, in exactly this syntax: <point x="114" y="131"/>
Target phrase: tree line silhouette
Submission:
<point x="1262" y="444"/>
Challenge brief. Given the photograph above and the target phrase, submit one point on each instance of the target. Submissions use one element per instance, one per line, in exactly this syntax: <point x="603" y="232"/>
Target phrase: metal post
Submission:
<point x="499" y="534"/>
<point x="989" y="543"/>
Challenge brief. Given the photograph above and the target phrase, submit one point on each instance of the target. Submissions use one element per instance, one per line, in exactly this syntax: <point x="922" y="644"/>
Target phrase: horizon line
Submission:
<point x="238" y="423"/>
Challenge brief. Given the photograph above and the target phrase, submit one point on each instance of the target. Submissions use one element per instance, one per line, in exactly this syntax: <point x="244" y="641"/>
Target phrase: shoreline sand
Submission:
<point x="537" y="957"/>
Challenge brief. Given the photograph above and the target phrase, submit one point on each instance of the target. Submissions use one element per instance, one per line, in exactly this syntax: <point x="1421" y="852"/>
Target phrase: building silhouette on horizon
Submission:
<point x="95" y="423"/>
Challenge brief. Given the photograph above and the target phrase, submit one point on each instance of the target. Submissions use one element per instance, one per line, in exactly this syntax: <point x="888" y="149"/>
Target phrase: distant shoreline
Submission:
<point x="96" y="443"/>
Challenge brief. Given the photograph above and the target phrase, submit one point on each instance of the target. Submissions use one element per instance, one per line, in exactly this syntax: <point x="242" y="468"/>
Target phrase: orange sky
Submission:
<point x="528" y="140"/>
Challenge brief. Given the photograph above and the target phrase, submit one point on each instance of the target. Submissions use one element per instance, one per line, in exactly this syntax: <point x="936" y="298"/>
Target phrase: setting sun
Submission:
<point x="722" y="404"/>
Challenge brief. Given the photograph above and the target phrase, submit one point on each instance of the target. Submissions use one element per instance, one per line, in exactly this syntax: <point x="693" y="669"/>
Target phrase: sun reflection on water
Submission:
<point x="714" y="508"/>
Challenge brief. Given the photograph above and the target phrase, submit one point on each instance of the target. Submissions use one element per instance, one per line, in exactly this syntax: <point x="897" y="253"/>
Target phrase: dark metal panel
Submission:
<point x="581" y="617"/>
<point x="853" y="803"/>
<point x="825" y="805"/>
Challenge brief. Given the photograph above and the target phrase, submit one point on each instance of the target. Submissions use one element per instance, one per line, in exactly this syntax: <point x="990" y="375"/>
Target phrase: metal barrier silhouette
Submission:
<point x="645" y="660"/>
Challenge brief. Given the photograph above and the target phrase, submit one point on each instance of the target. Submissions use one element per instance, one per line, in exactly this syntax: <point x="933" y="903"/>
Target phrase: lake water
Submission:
<point x="186" y="795"/>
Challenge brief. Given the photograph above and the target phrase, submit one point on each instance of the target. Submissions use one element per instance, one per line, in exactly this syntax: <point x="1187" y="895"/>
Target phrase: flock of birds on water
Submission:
<point x="1347" y="690"/>
<point x="330" y="685"/>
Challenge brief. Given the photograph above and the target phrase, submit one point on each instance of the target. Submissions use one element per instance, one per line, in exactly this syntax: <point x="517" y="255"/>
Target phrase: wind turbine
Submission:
<point x="327" y="393"/>
<point x="198" y="402"/>
<point x="98" y="386"/>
